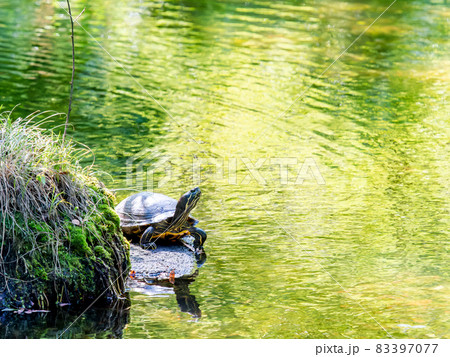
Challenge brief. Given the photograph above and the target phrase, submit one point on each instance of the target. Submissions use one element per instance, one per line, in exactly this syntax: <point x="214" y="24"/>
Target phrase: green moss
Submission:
<point x="38" y="269"/>
<point x="77" y="272"/>
<point x="93" y="233"/>
<point x="109" y="215"/>
<point x="103" y="194"/>
<point x="79" y="240"/>
<point x="42" y="229"/>
<point x="69" y="261"/>
<point x="102" y="253"/>
<point x="40" y="273"/>
<point x="39" y="226"/>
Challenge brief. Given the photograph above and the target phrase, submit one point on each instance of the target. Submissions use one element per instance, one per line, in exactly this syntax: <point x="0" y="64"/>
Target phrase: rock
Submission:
<point x="164" y="262"/>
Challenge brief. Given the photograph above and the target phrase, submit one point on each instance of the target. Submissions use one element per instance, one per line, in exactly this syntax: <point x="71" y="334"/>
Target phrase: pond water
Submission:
<point x="325" y="189"/>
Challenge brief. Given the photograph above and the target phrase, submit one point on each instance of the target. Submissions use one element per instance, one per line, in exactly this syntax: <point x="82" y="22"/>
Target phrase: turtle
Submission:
<point x="152" y="217"/>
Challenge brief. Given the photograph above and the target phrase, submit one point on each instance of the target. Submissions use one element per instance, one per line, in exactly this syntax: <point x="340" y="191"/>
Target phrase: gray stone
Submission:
<point x="157" y="264"/>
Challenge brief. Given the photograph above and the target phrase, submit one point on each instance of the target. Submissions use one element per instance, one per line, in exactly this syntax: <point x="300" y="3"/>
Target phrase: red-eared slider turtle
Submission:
<point x="152" y="217"/>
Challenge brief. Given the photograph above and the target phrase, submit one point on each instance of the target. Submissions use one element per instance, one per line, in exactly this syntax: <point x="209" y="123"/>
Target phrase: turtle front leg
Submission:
<point x="146" y="238"/>
<point x="199" y="236"/>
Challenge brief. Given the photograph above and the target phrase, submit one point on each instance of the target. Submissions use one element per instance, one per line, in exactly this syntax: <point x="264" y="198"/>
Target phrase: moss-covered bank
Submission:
<point x="60" y="237"/>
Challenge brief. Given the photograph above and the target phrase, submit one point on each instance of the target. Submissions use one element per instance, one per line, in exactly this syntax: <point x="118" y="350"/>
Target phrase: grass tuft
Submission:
<point x="60" y="240"/>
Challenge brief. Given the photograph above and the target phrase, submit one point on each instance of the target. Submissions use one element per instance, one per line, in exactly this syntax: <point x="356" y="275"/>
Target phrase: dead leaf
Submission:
<point x="172" y="277"/>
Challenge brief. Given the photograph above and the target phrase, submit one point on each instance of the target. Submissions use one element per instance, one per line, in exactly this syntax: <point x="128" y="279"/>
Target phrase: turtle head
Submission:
<point x="185" y="205"/>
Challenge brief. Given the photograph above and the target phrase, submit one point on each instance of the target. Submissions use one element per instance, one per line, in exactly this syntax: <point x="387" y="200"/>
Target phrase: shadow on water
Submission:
<point x="66" y="322"/>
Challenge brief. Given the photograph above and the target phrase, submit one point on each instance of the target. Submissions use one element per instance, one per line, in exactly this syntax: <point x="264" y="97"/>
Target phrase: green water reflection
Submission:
<point x="350" y="237"/>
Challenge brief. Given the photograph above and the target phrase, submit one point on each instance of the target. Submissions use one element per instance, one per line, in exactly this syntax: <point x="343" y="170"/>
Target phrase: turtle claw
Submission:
<point x="187" y="245"/>
<point x="151" y="245"/>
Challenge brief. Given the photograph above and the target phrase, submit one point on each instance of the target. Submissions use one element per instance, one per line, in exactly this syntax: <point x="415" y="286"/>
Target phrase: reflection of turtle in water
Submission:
<point x="186" y="301"/>
<point x="152" y="216"/>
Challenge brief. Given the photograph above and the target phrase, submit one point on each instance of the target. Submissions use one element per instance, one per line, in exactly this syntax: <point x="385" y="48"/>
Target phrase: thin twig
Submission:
<point x="73" y="72"/>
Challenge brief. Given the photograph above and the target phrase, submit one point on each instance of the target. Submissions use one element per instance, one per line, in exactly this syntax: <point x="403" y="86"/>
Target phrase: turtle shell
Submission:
<point x="146" y="208"/>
